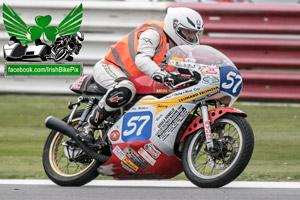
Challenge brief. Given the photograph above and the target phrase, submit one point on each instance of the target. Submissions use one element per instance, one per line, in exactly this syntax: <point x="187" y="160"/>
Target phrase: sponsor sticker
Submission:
<point x="114" y="135"/>
<point x="77" y="84"/>
<point x="129" y="163"/>
<point x="136" y="158"/>
<point x="127" y="168"/>
<point x="207" y="130"/>
<point x="210" y="79"/>
<point x="152" y="150"/>
<point x="119" y="153"/>
<point x="170" y="122"/>
<point x="146" y="156"/>
<point x="122" y="156"/>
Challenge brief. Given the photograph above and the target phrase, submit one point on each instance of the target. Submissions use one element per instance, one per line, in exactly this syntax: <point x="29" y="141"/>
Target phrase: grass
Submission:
<point x="22" y="135"/>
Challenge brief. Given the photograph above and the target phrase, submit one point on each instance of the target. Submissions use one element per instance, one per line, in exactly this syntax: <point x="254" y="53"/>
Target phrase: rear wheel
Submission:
<point x="233" y="146"/>
<point x="64" y="162"/>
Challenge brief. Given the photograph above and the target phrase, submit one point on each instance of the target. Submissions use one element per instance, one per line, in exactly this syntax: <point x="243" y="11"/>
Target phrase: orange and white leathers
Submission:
<point x="106" y="74"/>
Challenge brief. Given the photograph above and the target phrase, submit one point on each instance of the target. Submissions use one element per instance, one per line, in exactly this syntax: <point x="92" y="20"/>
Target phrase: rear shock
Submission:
<point x="87" y="111"/>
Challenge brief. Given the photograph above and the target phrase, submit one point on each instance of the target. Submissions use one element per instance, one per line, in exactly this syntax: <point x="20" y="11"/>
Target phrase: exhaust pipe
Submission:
<point x="62" y="127"/>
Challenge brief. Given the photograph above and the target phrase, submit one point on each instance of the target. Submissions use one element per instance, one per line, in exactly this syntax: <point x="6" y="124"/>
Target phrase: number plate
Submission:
<point x="137" y="126"/>
<point x="231" y="80"/>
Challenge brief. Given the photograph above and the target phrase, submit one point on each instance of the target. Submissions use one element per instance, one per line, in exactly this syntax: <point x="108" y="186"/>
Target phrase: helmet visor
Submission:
<point x="190" y="36"/>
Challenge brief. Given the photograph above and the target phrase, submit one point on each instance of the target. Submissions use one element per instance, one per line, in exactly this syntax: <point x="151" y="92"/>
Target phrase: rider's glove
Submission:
<point x="163" y="76"/>
<point x="160" y="75"/>
<point x="175" y="79"/>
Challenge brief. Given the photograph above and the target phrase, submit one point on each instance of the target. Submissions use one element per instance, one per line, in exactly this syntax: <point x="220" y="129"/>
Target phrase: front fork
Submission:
<point x="207" y="127"/>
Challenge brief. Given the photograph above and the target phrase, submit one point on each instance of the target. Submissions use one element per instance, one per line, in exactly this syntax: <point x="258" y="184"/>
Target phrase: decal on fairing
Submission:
<point x="177" y="98"/>
<point x="124" y="159"/>
<point x="137" y="126"/>
<point x="146" y="156"/>
<point x="77" y="84"/>
<point x="205" y="69"/>
<point x="171" y="121"/>
<point x="136" y="158"/>
<point x="119" y="153"/>
<point x="152" y="150"/>
<point x="114" y="135"/>
<point x="129" y="163"/>
<point x="210" y="79"/>
<point x="127" y="168"/>
<point x="231" y="80"/>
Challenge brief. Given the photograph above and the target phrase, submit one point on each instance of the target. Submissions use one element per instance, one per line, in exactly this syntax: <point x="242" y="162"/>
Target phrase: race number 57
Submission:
<point x="133" y="123"/>
<point x="233" y="82"/>
<point x="137" y="126"/>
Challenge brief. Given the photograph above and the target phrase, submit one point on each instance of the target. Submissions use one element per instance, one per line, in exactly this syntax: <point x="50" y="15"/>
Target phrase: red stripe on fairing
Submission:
<point x="165" y="166"/>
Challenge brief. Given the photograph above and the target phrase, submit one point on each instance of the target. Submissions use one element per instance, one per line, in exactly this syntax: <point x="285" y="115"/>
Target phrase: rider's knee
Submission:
<point x="120" y="95"/>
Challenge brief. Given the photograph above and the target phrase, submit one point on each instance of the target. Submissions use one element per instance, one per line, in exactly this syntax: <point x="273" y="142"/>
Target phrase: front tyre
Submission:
<point x="64" y="162"/>
<point x="233" y="146"/>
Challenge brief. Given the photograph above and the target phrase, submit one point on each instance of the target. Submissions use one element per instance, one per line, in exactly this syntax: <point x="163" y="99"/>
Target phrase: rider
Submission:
<point x="72" y="43"/>
<point x="142" y="51"/>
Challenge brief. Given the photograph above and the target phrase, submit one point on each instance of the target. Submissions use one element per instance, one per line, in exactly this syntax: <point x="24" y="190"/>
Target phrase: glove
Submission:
<point x="175" y="79"/>
<point x="160" y="75"/>
<point x="163" y="76"/>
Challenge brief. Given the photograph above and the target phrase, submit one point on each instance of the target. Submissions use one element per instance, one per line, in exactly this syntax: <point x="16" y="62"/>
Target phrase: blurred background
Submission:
<point x="262" y="37"/>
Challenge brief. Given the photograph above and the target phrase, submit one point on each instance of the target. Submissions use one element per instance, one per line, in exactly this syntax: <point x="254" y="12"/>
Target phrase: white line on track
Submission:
<point x="153" y="183"/>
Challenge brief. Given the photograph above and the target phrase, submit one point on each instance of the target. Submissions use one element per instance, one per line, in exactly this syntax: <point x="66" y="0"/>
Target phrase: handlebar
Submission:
<point x="194" y="78"/>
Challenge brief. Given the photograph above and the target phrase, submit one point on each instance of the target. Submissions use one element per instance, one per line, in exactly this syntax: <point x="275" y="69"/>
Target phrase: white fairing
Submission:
<point x="215" y="69"/>
<point x="158" y="120"/>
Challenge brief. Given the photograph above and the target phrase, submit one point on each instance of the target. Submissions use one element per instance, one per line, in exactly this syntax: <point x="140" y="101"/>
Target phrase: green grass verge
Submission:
<point x="22" y="135"/>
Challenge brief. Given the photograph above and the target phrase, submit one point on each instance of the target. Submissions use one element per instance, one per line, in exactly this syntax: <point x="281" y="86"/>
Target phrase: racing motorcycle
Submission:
<point x="166" y="129"/>
<point x="65" y="46"/>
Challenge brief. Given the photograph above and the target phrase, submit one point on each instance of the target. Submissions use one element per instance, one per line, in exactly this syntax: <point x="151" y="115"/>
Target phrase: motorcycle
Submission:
<point x="65" y="46"/>
<point x="15" y="51"/>
<point x="167" y="129"/>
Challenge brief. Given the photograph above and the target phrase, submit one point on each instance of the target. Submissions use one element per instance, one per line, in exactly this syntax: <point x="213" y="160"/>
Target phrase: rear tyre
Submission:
<point x="233" y="146"/>
<point x="64" y="162"/>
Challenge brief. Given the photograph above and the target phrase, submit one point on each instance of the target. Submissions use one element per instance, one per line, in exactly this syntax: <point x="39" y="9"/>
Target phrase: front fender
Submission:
<point x="213" y="115"/>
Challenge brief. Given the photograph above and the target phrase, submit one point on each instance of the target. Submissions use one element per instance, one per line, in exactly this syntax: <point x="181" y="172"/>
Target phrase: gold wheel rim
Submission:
<point x="56" y="156"/>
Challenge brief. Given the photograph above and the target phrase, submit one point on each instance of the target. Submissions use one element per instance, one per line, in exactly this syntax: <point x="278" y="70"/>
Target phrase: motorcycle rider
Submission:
<point x="142" y="51"/>
<point x="70" y="42"/>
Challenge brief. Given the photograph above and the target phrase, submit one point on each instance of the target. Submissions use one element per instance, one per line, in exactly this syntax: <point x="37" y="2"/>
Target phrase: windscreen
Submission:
<point x="198" y="54"/>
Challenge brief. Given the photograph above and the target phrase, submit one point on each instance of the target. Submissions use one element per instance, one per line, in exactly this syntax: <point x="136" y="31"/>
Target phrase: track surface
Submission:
<point x="152" y="190"/>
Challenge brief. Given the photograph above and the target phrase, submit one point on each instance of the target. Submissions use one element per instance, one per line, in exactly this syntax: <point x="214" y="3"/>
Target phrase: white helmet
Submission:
<point x="183" y="26"/>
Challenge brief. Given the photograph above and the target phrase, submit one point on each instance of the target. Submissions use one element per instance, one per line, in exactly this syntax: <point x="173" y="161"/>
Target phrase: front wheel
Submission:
<point x="233" y="146"/>
<point x="64" y="162"/>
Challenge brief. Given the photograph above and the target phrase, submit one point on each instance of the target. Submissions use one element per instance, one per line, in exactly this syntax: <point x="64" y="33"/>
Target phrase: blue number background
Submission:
<point x="146" y="131"/>
<point x="223" y="78"/>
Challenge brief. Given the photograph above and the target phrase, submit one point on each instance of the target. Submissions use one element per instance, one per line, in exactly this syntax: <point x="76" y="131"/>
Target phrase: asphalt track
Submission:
<point x="152" y="190"/>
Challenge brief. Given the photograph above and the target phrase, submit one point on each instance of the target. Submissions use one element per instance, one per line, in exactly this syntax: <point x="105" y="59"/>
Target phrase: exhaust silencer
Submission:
<point x="62" y="127"/>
